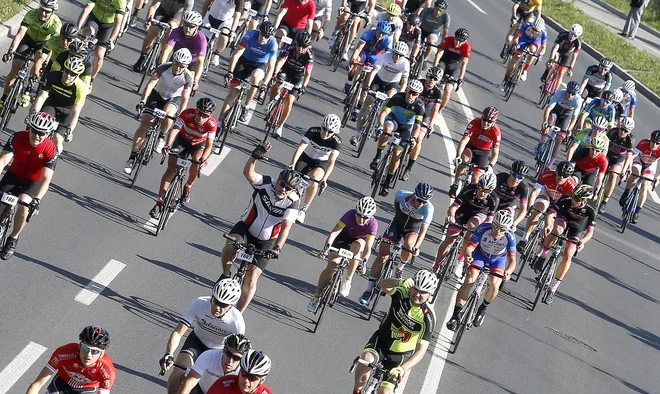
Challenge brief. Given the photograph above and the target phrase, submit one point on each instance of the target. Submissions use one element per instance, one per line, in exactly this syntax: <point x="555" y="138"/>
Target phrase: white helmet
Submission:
<point x="601" y="122"/>
<point x="42" y="122"/>
<point x="415" y="86"/>
<point x="366" y="206"/>
<point x="577" y="30"/>
<point x="192" y="17"/>
<point x="400" y="48"/>
<point x="503" y="218"/>
<point x="618" y="95"/>
<point x="539" y="24"/>
<point x="182" y="56"/>
<point x="488" y="181"/>
<point x="628" y="123"/>
<point x="255" y="362"/>
<point x="331" y="122"/>
<point x="629" y="86"/>
<point x="426" y="281"/>
<point x="227" y="291"/>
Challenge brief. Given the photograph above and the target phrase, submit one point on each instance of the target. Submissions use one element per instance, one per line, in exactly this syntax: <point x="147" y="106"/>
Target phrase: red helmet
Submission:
<point x="490" y="114"/>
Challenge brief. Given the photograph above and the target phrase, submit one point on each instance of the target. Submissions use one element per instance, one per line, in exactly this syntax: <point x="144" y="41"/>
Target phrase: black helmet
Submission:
<point x="267" y="29"/>
<point x="655" y="136"/>
<point x="435" y="72"/>
<point x="303" y="39"/>
<point x="69" y="31"/>
<point x="442" y="4"/>
<point x="205" y="104"/>
<point x="95" y="336"/>
<point x="291" y="178"/>
<point x="78" y="48"/>
<point x="565" y="168"/>
<point x="519" y="167"/>
<point x="238" y="342"/>
<point x="608" y="95"/>
<point x="462" y="34"/>
<point x="414" y="19"/>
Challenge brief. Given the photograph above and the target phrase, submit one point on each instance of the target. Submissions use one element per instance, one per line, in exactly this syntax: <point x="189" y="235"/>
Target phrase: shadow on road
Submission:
<point x="613" y="279"/>
<point x="145" y="376"/>
<point x="188" y="275"/>
<point x="281" y="314"/>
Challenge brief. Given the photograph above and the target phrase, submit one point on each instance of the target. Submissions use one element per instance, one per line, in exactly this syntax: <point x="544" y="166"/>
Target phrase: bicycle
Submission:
<point x="376" y="376"/>
<point x="633" y="198"/>
<point x="371" y="120"/>
<point x="128" y="14"/>
<point x="21" y="91"/>
<point x="544" y="280"/>
<point x="341" y="41"/>
<point x="240" y="31"/>
<point x="379" y="176"/>
<point x="352" y="99"/>
<point x="330" y="293"/>
<point x="9" y="202"/>
<point x="549" y="87"/>
<point x="151" y="60"/>
<point x="465" y="179"/>
<point x="448" y="264"/>
<point x="211" y="45"/>
<point x="600" y="193"/>
<point x="146" y="151"/>
<point x="469" y="310"/>
<point x="417" y="63"/>
<point x="514" y="76"/>
<point x="275" y="108"/>
<point x="231" y="120"/>
<point x="544" y="154"/>
<point x="534" y="242"/>
<point x="245" y="253"/>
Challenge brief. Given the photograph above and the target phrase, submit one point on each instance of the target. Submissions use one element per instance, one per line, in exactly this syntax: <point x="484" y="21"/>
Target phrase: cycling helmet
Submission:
<point x="227" y="291"/>
<point x="74" y="64"/>
<point x="600" y="122"/>
<point x="462" y="34"/>
<point x="539" y="24"/>
<point x="629" y="86"/>
<point x="303" y="39"/>
<point x="583" y="192"/>
<point x="255" y="362"/>
<point x="414" y="19"/>
<point x="426" y="281"/>
<point x="400" y="48"/>
<point x="206" y="104"/>
<point x="332" y="123"/>
<point x="237" y="342"/>
<point x="435" y="72"/>
<point x="442" y="4"/>
<point x="490" y="114"/>
<point x="366" y="206"/>
<point x="565" y="168"/>
<point x="606" y="63"/>
<point x="573" y="87"/>
<point x="424" y="191"/>
<point x="488" y="181"/>
<point x="95" y="336"/>
<point x="69" y="31"/>
<point x="384" y="28"/>
<point x="628" y="124"/>
<point x="577" y="30"/>
<point x="291" y="178"/>
<point x="49" y="5"/>
<point x="42" y="122"/>
<point x="193" y="17"/>
<point x="607" y="95"/>
<point x="78" y="48"/>
<point x="618" y="96"/>
<point x="519" y="167"/>
<point x="503" y="218"/>
<point x="182" y="56"/>
<point x="415" y="86"/>
<point x="655" y="136"/>
<point x="598" y="143"/>
<point x="267" y="29"/>
<point x="394" y="9"/>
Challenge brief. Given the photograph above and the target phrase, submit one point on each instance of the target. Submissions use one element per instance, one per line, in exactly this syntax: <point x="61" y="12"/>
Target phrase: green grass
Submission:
<point x="644" y="67"/>
<point x="9" y="8"/>
<point x="651" y="15"/>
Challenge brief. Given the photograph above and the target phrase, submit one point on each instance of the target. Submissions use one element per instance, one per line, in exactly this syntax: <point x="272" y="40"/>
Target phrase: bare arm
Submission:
<point x="279" y="17"/>
<point x="46" y="177"/>
<point x="87" y="9"/>
<point x="248" y="170"/>
<point x="175" y="338"/>
<point x="420" y="350"/>
<point x="422" y="233"/>
<point x="331" y="166"/>
<point x="39" y="102"/>
<point x="5" y="158"/>
<point x="297" y="153"/>
<point x="41" y="380"/>
<point x="234" y="59"/>
<point x="75" y="115"/>
<point x="284" y="233"/>
<point x="495" y="156"/>
<point x="189" y="383"/>
<point x="150" y="86"/>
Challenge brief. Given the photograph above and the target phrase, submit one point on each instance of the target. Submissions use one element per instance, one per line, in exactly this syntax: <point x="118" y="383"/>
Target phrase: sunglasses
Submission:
<point x="189" y="25"/>
<point x="203" y="114"/>
<point x="432" y="78"/>
<point x="517" y="176"/>
<point x="499" y="228"/>
<point x="459" y="40"/>
<point x="70" y="73"/>
<point x="488" y="121"/>
<point x="563" y="176"/>
<point x="596" y="150"/>
<point x="580" y="200"/>
<point x="410" y="92"/>
<point x="286" y="186"/>
<point x="250" y="377"/>
<point x="38" y="133"/>
<point x="483" y="189"/>
<point x="220" y="304"/>
<point x="45" y="11"/>
<point x="233" y="356"/>
<point x="88" y="349"/>
<point x="419" y="200"/>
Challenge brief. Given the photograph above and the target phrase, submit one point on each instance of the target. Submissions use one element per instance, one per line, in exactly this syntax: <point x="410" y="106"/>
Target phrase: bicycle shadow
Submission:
<point x="94" y="168"/>
<point x="190" y="276"/>
<point x="107" y="130"/>
<point x="280" y="314"/>
<point x="153" y="379"/>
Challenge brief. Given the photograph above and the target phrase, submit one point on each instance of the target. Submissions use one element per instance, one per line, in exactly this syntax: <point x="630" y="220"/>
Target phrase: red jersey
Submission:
<point x="191" y="131"/>
<point x="66" y="364"/>
<point x="30" y="161"/>
<point x="483" y="139"/>
<point x="555" y="190"/>
<point x="453" y="54"/>
<point x="229" y="385"/>
<point x="297" y="14"/>
<point x="585" y="163"/>
<point x="646" y="154"/>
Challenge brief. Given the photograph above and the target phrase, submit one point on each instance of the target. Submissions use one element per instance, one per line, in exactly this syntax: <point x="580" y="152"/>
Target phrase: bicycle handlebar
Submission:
<point x="336" y="250"/>
<point x="161" y="25"/>
<point x="403" y="247"/>
<point x="156" y="113"/>
<point x="249" y="248"/>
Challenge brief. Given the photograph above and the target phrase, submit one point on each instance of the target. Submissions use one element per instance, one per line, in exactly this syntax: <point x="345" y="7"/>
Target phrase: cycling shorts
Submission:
<point x="242" y="230"/>
<point x="161" y="16"/>
<point x="463" y="219"/>
<point x="497" y="265"/>
<point x="562" y="119"/>
<point x="27" y="44"/>
<point x="592" y="91"/>
<point x="357" y="7"/>
<point x="218" y="24"/>
<point x="452" y="71"/>
<point x="62" y="114"/>
<point x="614" y="159"/>
<point x="524" y="43"/>
<point x="405" y="131"/>
<point x="379" y="347"/>
<point x="244" y="69"/>
<point x="193" y="346"/>
<point x="396" y="230"/>
<point x="522" y="15"/>
<point x="306" y="164"/>
<point x="565" y="59"/>
<point x="647" y="170"/>
<point x="290" y="31"/>
<point x="12" y="184"/>
<point x="343" y="241"/>
<point x="480" y="157"/>
<point x="586" y="177"/>
<point x="259" y="6"/>
<point x="156" y="101"/>
<point x="371" y="59"/>
<point x="59" y="386"/>
<point x="573" y="231"/>
<point x="184" y="147"/>
<point x="103" y="31"/>
<point x="380" y="86"/>
<point x="296" y="79"/>
<point x="426" y="34"/>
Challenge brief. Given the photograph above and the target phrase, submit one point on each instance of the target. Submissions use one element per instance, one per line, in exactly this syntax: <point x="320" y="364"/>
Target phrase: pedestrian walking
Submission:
<point x="637" y="8"/>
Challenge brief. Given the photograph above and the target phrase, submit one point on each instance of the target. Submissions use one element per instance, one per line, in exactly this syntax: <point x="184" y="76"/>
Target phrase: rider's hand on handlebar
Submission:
<point x="140" y="106"/>
<point x="450" y="219"/>
<point x="457" y="161"/>
<point x="397" y="372"/>
<point x="166" y="362"/>
<point x="322" y="186"/>
<point x="579" y="246"/>
<point x="7" y="56"/>
<point x="165" y="150"/>
<point x="273" y="253"/>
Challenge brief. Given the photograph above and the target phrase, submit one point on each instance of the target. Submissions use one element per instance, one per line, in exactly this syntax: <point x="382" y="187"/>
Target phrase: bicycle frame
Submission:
<point x="371" y="118"/>
<point x="353" y="97"/>
<point x="631" y="202"/>
<point x="545" y="155"/>
<point x="275" y="108"/>
<point x="448" y="264"/>
<point x="468" y="311"/>
<point x="378" y="177"/>
<point x="22" y="84"/>
<point x="376" y="376"/>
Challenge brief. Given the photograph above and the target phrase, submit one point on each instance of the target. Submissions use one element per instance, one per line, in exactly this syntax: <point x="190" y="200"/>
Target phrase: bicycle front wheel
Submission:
<point x="364" y="133"/>
<point x="379" y="176"/>
<point x="463" y="323"/>
<point x="168" y="204"/>
<point x="137" y="166"/>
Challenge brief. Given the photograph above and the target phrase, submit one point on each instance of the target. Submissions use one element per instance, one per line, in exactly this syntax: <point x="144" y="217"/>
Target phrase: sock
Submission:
<point x="526" y="236"/>
<point x="350" y="78"/>
<point x="526" y="67"/>
<point x="135" y="12"/>
<point x="388" y="179"/>
<point x="440" y="107"/>
<point x="506" y="78"/>
<point x="485" y="304"/>
<point x="379" y="151"/>
<point x="356" y="133"/>
<point x="543" y="138"/>
<point x="371" y="283"/>
<point x="4" y="96"/>
<point x="606" y="199"/>
<point x="187" y="187"/>
<point x="544" y="252"/>
<point x="545" y="74"/>
<point x="401" y="265"/>
<point x="132" y="156"/>
<point x="305" y="206"/>
<point x="457" y="309"/>
<point x="461" y="256"/>
<point x="637" y="210"/>
<point x="349" y="278"/>
<point x="552" y="161"/>
<point x="555" y="285"/>
<point x="358" y="106"/>
<point x="411" y="163"/>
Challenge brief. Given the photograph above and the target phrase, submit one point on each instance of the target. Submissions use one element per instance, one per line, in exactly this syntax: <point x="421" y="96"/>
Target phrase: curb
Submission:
<point x="623" y="15"/>
<point x="646" y="92"/>
<point x="10" y="26"/>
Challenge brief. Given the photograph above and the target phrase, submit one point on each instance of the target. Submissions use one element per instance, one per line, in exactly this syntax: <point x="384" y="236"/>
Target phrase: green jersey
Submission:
<point x="40" y="32"/>
<point x="106" y="12"/>
<point x="53" y="47"/>
<point x="584" y="137"/>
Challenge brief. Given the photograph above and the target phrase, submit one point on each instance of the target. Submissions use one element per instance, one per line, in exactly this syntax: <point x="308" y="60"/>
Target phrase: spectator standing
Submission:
<point x="637" y="8"/>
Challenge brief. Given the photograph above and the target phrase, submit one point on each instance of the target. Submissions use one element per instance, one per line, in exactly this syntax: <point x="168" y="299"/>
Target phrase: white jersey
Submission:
<point x="223" y="9"/>
<point x="211" y="330"/>
<point x="390" y="71"/>
<point x="170" y="85"/>
<point x="397" y="25"/>
<point x="265" y="214"/>
<point x="209" y="367"/>
<point x="323" y="6"/>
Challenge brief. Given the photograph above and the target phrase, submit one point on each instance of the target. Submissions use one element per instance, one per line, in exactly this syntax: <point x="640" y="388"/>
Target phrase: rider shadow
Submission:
<point x="94" y="168"/>
<point x="280" y="314"/>
<point x="153" y="379"/>
<point x="624" y="382"/>
<point x="188" y="275"/>
<point x="156" y="314"/>
<point x="475" y="373"/>
<point x="68" y="276"/>
<point x="341" y="190"/>
<point x="120" y="83"/>
<point x="353" y="169"/>
<point x="110" y="105"/>
<point x="206" y="249"/>
<point x="515" y="298"/>
<point x="107" y="130"/>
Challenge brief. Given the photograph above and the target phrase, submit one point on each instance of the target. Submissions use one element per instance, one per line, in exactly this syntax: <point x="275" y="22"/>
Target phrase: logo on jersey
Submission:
<point x="401" y="334"/>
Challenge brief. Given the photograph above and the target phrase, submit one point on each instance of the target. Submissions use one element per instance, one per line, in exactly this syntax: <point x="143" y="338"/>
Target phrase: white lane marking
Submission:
<point x="464" y="103"/>
<point x="654" y="196"/>
<point x="151" y="224"/>
<point x="477" y="7"/>
<point x="19" y="365"/>
<point x="449" y="144"/>
<point x="214" y="161"/>
<point x="100" y="282"/>
<point x="617" y="237"/>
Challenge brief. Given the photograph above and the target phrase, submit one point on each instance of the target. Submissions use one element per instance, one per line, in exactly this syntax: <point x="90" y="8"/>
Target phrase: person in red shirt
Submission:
<point x="591" y="163"/>
<point x="28" y="178"/>
<point x="453" y="56"/>
<point x="294" y="17"/>
<point x="192" y="135"/>
<point x="645" y="163"/>
<point x="80" y="367"/>
<point x="255" y="365"/>
<point x="482" y="136"/>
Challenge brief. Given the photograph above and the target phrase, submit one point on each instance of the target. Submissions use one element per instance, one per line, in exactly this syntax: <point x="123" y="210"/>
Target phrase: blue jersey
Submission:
<point x="490" y="247"/>
<point x="404" y="113"/>
<point x="256" y="52"/>
<point x="594" y="110"/>
<point x="405" y="200"/>
<point x="559" y="99"/>
<point x="528" y="36"/>
<point x="373" y="46"/>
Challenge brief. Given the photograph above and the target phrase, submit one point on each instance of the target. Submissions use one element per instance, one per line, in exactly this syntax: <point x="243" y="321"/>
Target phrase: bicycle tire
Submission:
<point x="377" y="178"/>
<point x="339" y="51"/>
<point x="441" y="275"/>
<point x="11" y="104"/>
<point x="376" y="291"/>
<point x="463" y="323"/>
<point x="230" y="120"/>
<point x="603" y="187"/>
<point x="209" y="54"/>
<point x="403" y="163"/>
<point x="137" y="164"/>
<point x="323" y="302"/>
<point x="5" y="224"/>
<point x="351" y="101"/>
<point x="364" y="133"/>
<point x="167" y="203"/>
<point x="631" y="204"/>
<point x="149" y="63"/>
<point x="527" y="253"/>
<point x="542" y="285"/>
<point x="125" y="21"/>
<point x="507" y="57"/>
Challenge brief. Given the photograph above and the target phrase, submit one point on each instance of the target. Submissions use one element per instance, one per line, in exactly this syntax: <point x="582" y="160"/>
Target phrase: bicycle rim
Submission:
<point x="137" y="166"/>
<point x="378" y="178"/>
<point x="462" y="325"/>
<point x="167" y="202"/>
<point x="541" y="285"/>
<point x="323" y="302"/>
<point x="364" y="133"/>
<point x="335" y="289"/>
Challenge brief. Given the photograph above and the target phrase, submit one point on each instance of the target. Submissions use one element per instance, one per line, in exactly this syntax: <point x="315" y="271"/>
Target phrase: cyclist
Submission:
<point x="493" y="245"/>
<point x="79" y="367"/>
<point x="532" y="36"/>
<point x="294" y="66"/>
<point x="415" y="6"/>
<point x="373" y="44"/>
<point x="564" y="53"/>
<point x="644" y="163"/>
<point x="139" y="4"/>
<point x="482" y="136"/>
<point x="435" y="28"/>
<point x="574" y="217"/>
<point x="391" y="15"/>
<point x="512" y="192"/>
<point x="522" y="11"/>
<point x="295" y="16"/>
<point x="323" y="15"/>
<point x="316" y="156"/>
<point x="62" y="96"/>
<point x="255" y="366"/>
<point x="253" y="61"/>
<point x="355" y="231"/>
<point x="192" y="135"/>
<point x="33" y="158"/>
<point x="413" y="214"/>
<point x="591" y="163"/>
<point x="265" y="223"/>
<point x="262" y="8"/>
<point x="453" y="55"/>
<point x="599" y="107"/>
<point x="77" y="49"/>
<point x="168" y="90"/>
<point x="565" y="107"/>
<point x="583" y="139"/>
<point x="224" y="16"/>
<point x="629" y="101"/>
<point x="188" y="36"/>
<point x="549" y="187"/>
<point x="363" y="8"/>
<point x="214" y="364"/>
<point x="411" y="34"/>
<point x="37" y="27"/>
<point x="616" y="101"/>
<point x="55" y="46"/>
<point x="597" y="79"/>
<point x="619" y="156"/>
<point x="403" y="336"/>
<point x="473" y="205"/>
<point x="163" y="11"/>
<point x="402" y="114"/>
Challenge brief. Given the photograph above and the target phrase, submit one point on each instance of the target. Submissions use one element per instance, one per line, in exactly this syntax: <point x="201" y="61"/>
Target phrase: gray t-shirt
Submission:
<point x="172" y="7"/>
<point x="431" y="24"/>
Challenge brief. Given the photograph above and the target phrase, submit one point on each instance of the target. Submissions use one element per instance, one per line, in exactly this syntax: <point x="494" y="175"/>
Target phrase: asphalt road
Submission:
<point x="609" y="301"/>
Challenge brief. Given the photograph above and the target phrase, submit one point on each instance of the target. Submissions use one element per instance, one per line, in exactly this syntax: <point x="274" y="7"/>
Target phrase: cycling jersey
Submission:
<point x="584" y="137"/>
<point x="482" y="139"/>
<point x="53" y="47"/>
<point x="629" y="102"/>
<point x="62" y="96"/>
<point x="581" y="218"/>
<point x="430" y="96"/>
<point x="350" y="227"/>
<point x="209" y="367"/>
<point x="432" y="24"/>
<point x="594" y="110"/>
<point x="225" y="9"/>
<point x="555" y="190"/>
<point x="620" y="145"/>
<point x="470" y="205"/>
<point x="490" y="247"/>
<point x="28" y="162"/>
<point x="62" y="57"/>
<point x="644" y="151"/>
<point x="390" y="71"/>
<point x="106" y="13"/>
<point x="322" y="6"/>
<point x="256" y="52"/>
<point x="566" y="45"/>
<point x="211" y="330"/>
<point x="414" y="5"/>
<point x="373" y="46"/>
<point x="411" y="36"/>
<point x="319" y="148"/>
<point x="40" y="32"/>
<point x="297" y="13"/>
<point x="397" y="25"/>
<point x="295" y="64"/>
<point x="65" y="362"/>
<point x="453" y="55"/>
<point x="529" y="5"/>
<point x="196" y="44"/>
<point x="509" y="196"/>
<point x="169" y="85"/>
<point x="585" y="163"/>
<point x="529" y="36"/>
<point x="191" y="131"/>
<point x="265" y="214"/>
<point x="407" y="213"/>
<point x="601" y="82"/>
<point x="564" y="106"/>
<point x="229" y="385"/>
<point x="404" y="113"/>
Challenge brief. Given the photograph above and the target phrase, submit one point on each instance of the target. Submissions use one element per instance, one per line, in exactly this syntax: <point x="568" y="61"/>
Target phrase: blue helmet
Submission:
<point x="573" y="87"/>
<point x="424" y="191"/>
<point x="385" y="28"/>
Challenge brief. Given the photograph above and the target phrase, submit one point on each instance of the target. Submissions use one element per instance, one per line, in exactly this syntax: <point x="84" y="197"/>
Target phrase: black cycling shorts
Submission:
<point x="295" y="79"/>
<point x="592" y="92"/>
<point x="479" y="157"/>
<point x="27" y="44"/>
<point x="156" y="101"/>
<point x="413" y="5"/>
<point x="562" y="119"/>
<point x="290" y="31"/>
<point x="62" y="114"/>
<point x="59" y="386"/>
<point x="103" y="31"/>
<point x="396" y="230"/>
<point x="184" y="147"/>
<point x="522" y="15"/>
<point x="161" y="16"/>
<point x="244" y="69"/>
<point x="574" y="230"/>
<point x="613" y="158"/>
<point x="259" y="6"/>
<point x="241" y="229"/>
<point x="343" y="241"/>
<point x="357" y="6"/>
<point x="193" y="346"/>
<point x="452" y="70"/>
<point x="381" y="345"/>
<point x="565" y="59"/>
<point x="588" y="177"/>
<point x="306" y="164"/>
<point x="380" y="86"/>
<point x="12" y="184"/>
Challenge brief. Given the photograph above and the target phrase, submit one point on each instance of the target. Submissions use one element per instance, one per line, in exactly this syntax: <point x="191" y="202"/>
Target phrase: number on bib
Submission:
<point x="345" y="253"/>
<point x="367" y="69"/>
<point x="9" y="199"/>
<point x="287" y="40"/>
<point x="287" y="85"/>
<point x="246" y="85"/>
<point x="215" y="32"/>
<point x="241" y="255"/>
<point x="381" y="96"/>
<point x="159" y="113"/>
<point x="185" y="163"/>
<point x="252" y="13"/>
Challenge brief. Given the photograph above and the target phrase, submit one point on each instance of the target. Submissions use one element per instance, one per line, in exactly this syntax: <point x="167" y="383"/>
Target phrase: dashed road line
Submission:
<point x="100" y="282"/>
<point x="477" y="7"/>
<point x="19" y="365"/>
<point x="214" y="161"/>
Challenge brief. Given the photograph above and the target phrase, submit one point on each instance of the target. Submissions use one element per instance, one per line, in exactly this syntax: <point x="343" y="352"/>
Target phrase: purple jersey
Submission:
<point x="196" y="44"/>
<point x="354" y="230"/>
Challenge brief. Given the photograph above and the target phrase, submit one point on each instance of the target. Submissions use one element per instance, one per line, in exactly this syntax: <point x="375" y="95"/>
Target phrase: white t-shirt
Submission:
<point x="382" y="16"/>
<point x="323" y="6"/>
<point x="210" y="330"/>
<point x="209" y="367"/>
<point x="389" y="71"/>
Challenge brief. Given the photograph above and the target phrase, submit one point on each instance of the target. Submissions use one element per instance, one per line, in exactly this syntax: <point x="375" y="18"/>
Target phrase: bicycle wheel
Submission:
<point x="462" y="325"/>
<point x="403" y="163"/>
<point x="168" y="202"/>
<point x="230" y="122"/>
<point x="365" y="131"/>
<point x="323" y="302"/>
<point x="339" y="51"/>
<point x="137" y="164"/>
<point x="351" y="101"/>
<point x="376" y="292"/>
<point x="5" y="222"/>
<point x="544" y="95"/>
<point x="378" y="177"/>
<point x="528" y="253"/>
<point x="149" y="64"/>
<point x="11" y="104"/>
<point x="629" y="209"/>
<point x="511" y="83"/>
<point x="544" y="280"/>
<point x="601" y="191"/>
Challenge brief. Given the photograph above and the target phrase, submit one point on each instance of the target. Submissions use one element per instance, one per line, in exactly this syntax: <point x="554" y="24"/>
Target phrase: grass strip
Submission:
<point x="651" y="15"/>
<point x="9" y="8"/>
